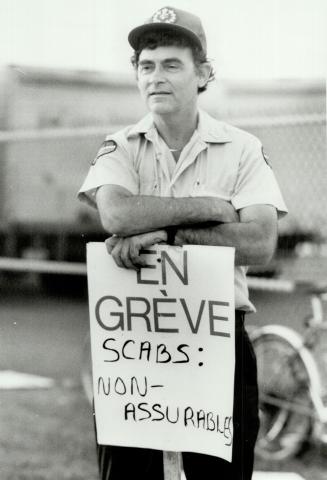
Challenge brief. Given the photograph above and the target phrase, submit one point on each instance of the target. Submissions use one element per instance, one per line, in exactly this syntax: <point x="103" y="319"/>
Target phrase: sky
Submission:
<point x="246" y="38"/>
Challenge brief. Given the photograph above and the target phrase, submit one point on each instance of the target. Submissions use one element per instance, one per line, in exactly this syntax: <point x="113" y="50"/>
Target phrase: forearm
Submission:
<point x="252" y="246"/>
<point x="127" y="215"/>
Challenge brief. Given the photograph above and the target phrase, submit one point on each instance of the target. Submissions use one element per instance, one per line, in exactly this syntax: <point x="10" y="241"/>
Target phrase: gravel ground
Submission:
<point x="46" y="435"/>
<point x="312" y="465"/>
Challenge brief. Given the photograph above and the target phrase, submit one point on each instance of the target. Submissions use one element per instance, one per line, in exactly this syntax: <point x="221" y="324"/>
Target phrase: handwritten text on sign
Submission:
<point x="163" y="349"/>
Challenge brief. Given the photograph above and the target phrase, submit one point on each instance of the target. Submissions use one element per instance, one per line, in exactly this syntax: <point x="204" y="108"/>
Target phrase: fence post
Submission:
<point x="172" y="465"/>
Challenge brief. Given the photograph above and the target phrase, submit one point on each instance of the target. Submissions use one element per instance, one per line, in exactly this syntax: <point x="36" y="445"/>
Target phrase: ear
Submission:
<point x="204" y="71"/>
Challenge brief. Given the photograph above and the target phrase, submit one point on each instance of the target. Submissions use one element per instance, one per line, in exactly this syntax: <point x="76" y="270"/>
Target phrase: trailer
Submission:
<point x="52" y="123"/>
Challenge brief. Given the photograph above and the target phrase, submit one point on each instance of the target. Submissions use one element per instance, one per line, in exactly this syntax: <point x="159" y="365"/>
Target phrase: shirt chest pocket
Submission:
<point x="214" y="180"/>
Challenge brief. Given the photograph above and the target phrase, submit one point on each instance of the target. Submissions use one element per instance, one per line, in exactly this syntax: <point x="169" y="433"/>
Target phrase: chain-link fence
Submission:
<point x="289" y="117"/>
<point x="296" y="145"/>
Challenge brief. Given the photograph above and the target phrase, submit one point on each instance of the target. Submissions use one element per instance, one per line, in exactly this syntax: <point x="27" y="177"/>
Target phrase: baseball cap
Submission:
<point x="171" y="19"/>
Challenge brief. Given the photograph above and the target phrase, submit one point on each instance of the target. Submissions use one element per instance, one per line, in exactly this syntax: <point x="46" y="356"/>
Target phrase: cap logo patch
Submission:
<point x="107" y="147"/>
<point x="164" y="15"/>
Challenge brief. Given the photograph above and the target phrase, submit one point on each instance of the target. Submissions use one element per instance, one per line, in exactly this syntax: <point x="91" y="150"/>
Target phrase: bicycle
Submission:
<point x="292" y="390"/>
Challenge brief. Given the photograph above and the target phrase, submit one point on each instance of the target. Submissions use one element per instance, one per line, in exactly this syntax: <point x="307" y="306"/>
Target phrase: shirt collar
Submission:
<point x="143" y="126"/>
<point x="209" y="129"/>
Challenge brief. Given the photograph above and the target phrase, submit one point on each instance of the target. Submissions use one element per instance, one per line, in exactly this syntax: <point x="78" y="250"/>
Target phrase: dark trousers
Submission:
<point x="124" y="463"/>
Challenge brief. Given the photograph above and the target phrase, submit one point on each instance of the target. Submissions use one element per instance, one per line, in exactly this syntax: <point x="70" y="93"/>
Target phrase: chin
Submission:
<point x="161" y="109"/>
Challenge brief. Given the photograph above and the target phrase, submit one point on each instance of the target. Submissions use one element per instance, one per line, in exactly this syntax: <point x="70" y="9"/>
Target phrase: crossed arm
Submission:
<point x="137" y="222"/>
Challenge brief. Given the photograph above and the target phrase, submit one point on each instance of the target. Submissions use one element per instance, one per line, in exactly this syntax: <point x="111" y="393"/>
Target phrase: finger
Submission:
<point x="135" y="256"/>
<point x="116" y="253"/>
<point x="125" y="254"/>
<point x="111" y="242"/>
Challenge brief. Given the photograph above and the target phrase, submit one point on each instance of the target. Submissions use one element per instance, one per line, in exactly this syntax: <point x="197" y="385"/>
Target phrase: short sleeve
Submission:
<point x="113" y="165"/>
<point x="256" y="182"/>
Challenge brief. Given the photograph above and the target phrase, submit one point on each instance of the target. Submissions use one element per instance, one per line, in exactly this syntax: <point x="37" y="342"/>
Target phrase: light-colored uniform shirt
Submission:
<point x="219" y="161"/>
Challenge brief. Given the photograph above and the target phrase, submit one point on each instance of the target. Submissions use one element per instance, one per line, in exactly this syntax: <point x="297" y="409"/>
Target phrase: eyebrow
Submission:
<point x="165" y="60"/>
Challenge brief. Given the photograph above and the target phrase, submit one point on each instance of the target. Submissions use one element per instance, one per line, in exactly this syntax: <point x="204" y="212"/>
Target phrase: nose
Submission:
<point x="157" y="76"/>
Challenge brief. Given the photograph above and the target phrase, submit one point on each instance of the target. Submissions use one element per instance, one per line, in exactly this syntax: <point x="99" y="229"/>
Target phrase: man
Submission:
<point x="181" y="177"/>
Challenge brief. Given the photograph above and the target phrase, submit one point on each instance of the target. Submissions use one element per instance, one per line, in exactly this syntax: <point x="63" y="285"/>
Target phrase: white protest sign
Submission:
<point x="162" y="343"/>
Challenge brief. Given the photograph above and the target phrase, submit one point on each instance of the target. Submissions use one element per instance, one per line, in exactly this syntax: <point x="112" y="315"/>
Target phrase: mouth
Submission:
<point x="159" y="93"/>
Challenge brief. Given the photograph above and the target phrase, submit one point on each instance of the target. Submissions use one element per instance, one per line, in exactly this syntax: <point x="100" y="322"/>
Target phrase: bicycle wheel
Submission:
<point x="284" y="397"/>
<point x="86" y="371"/>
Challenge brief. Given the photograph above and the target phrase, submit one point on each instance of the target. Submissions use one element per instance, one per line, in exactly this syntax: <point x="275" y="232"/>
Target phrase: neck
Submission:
<point x="175" y="130"/>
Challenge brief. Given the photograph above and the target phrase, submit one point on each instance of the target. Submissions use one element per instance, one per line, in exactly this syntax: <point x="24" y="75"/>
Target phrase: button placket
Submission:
<point x="159" y="157"/>
<point x="191" y="155"/>
<point x="159" y="162"/>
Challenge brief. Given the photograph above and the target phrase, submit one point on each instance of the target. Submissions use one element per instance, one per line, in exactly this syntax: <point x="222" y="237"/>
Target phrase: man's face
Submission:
<point x="168" y="79"/>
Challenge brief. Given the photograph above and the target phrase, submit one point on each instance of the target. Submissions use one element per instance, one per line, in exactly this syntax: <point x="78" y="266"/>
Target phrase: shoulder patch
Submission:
<point x="265" y="157"/>
<point x="108" y="146"/>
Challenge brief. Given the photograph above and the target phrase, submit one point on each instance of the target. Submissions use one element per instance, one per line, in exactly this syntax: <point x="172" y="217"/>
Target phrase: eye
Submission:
<point x="146" y="68"/>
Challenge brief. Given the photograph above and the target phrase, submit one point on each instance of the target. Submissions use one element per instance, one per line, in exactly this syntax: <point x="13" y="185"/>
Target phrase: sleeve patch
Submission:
<point x="108" y="146"/>
<point x="265" y="157"/>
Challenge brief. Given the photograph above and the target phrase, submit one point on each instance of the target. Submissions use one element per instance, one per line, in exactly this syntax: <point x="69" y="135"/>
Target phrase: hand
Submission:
<point x="126" y="250"/>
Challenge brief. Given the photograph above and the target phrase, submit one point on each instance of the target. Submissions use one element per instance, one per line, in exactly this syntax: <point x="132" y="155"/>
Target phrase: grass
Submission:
<point x="48" y="435"/>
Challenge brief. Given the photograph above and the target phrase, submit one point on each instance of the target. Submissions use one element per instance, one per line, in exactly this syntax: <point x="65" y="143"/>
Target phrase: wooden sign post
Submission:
<point x="172" y="465"/>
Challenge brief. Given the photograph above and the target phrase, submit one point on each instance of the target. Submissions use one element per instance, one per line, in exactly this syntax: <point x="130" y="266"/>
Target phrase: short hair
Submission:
<point x="154" y="39"/>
